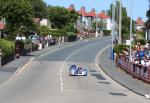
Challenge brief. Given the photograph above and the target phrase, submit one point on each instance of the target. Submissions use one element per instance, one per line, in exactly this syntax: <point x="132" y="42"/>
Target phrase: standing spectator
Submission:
<point x="17" y="51"/>
<point x="138" y="46"/>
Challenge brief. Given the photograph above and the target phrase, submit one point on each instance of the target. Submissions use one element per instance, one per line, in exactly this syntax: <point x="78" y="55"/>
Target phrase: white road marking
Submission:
<point x="97" y="57"/>
<point x="32" y="58"/>
<point x="61" y="70"/>
<point x="147" y="96"/>
<point x="57" y="49"/>
<point x="22" y="66"/>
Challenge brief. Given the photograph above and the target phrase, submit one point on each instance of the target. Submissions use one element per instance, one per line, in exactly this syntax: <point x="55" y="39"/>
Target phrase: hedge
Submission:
<point x="7" y="47"/>
<point x="58" y="32"/>
<point x="71" y="36"/>
<point x="141" y="41"/>
<point x="118" y="48"/>
<point x="107" y="32"/>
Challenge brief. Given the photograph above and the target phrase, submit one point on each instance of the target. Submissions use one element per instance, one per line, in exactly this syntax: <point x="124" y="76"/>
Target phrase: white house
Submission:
<point x="102" y="16"/>
<point x="139" y="24"/>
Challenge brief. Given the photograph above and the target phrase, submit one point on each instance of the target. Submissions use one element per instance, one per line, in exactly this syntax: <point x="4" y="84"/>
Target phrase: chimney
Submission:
<point x="103" y="11"/>
<point x="93" y="10"/>
<point x="72" y="7"/>
<point x="83" y="8"/>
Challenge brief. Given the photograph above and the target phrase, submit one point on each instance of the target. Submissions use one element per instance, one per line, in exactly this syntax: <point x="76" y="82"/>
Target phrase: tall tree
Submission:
<point x="148" y="16"/>
<point x="58" y="16"/>
<point x="125" y="20"/>
<point x="101" y="24"/>
<point x="40" y="8"/>
<point x="61" y="17"/>
<point x="18" y="15"/>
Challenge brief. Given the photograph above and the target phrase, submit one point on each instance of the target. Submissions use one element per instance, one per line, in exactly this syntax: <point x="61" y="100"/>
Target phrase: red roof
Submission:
<point x="103" y="15"/>
<point x="1" y="25"/>
<point x="139" y="22"/>
<point x="92" y="13"/>
<point x="84" y="13"/>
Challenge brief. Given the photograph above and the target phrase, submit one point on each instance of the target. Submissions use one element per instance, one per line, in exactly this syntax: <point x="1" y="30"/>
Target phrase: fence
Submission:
<point x="6" y="59"/>
<point x="139" y="71"/>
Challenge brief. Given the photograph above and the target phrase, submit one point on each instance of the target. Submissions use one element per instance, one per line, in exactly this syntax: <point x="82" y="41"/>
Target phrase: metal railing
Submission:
<point x="138" y="71"/>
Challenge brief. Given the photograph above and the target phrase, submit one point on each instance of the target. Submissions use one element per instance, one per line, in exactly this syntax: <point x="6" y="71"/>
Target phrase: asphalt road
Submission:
<point x="46" y="79"/>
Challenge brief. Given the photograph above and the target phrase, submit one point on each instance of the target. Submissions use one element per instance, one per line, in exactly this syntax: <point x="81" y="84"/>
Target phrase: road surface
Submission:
<point x="46" y="79"/>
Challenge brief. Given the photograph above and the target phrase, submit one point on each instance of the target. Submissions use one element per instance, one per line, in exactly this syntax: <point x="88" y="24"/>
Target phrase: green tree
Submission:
<point x="125" y="20"/>
<point x="40" y="8"/>
<point x="101" y="24"/>
<point x="44" y="30"/>
<point x="60" y="17"/>
<point x="18" y="15"/>
<point x="148" y="16"/>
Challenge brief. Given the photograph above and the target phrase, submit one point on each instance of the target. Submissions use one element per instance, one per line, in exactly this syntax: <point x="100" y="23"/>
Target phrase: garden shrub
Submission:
<point x="141" y="41"/>
<point x="107" y="32"/>
<point x="118" y="48"/>
<point x="71" y="36"/>
<point x="7" y="47"/>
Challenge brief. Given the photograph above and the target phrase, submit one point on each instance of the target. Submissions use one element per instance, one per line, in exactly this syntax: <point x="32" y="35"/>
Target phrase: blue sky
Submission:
<point x="139" y="7"/>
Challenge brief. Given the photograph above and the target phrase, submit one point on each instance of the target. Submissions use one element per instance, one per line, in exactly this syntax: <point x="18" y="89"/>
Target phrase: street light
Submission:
<point x="120" y="19"/>
<point x="113" y="29"/>
<point x="131" y="3"/>
<point x="96" y="33"/>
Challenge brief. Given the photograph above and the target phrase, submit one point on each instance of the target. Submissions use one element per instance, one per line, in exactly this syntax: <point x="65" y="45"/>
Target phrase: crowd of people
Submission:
<point x="140" y="55"/>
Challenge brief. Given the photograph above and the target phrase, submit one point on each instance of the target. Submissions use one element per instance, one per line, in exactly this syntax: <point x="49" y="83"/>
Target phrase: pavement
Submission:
<point x="121" y="76"/>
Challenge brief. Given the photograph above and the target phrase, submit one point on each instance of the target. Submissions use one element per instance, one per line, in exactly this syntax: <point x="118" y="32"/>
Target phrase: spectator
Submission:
<point x="17" y="51"/>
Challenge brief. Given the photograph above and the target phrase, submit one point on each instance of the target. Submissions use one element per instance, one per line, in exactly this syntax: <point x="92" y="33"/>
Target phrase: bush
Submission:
<point x="107" y="32"/>
<point x="118" y="48"/>
<point x="141" y="41"/>
<point x="57" y="33"/>
<point x="7" y="47"/>
<point x="71" y="36"/>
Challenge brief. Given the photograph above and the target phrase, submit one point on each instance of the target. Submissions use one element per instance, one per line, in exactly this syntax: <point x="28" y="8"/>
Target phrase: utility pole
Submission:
<point x="96" y="33"/>
<point x="120" y="19"/>
<point x="131" y="3"/>
<point x="113" y="28"/>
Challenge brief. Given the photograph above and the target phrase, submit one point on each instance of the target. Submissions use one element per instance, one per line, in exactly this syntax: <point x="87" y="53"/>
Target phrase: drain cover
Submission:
<point x="117" y="94"/>
<point x="104" y="82"/>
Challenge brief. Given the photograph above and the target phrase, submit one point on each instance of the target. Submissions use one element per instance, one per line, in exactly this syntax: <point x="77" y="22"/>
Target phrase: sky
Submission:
<point x="139" y="7"/>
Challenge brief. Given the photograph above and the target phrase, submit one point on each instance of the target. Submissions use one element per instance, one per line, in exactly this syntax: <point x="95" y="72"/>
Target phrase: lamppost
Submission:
<point x="0" y="58"/>
<point x="96" y="33"/>
<point x="113" y="29"/>
<point x="131" y="3"/>
<point x="120" y="19"/>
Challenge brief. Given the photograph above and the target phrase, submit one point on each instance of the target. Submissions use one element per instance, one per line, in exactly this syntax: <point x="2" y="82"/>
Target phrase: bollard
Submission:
<point x="0" y="58"/>
<point x="112" y="54"/>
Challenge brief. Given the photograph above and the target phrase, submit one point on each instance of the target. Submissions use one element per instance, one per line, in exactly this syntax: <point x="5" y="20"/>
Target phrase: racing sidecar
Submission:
<point x="77" y="71"/>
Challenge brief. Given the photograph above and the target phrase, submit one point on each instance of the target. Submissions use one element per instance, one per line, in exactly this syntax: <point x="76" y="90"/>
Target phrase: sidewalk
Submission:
<point x="122" y="77"/>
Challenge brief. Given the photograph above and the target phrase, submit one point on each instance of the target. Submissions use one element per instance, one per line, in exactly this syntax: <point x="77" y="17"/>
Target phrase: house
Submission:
<point x="42" y="22"/>
<point x="139" y="24"/>
<point x="86" y="19"/>
<point x="2" y="26"/>
<point x="36" y="20"/>
<point x="102" y="16"/>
